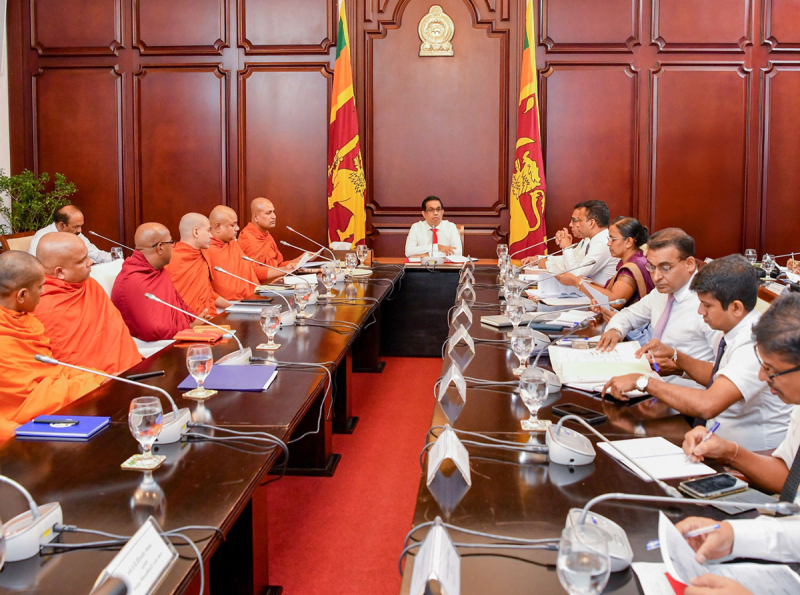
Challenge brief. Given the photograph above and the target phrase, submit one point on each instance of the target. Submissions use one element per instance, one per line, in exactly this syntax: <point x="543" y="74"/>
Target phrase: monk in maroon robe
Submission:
<point x="144" y="273"/>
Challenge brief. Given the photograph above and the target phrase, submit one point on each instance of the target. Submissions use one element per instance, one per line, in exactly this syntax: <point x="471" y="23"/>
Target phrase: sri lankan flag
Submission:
<point x="527" y="182"/>
<point x="346" y="184"/>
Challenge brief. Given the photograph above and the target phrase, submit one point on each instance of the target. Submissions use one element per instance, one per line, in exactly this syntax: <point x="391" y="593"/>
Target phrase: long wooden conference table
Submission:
<point x="201" y="482"/>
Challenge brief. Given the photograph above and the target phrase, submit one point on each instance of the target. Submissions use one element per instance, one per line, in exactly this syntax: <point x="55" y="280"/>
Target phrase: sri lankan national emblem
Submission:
<point x="436" y="29"/>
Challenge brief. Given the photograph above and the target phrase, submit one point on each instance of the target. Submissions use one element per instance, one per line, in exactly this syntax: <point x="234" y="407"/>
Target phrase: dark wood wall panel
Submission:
<point x="181" y="142"/>
<point x="273" y="26"/>
<point x="781" y="179"/>
<point x="591" y="137"/>
<point x="570" y="25"/>
<point x="78" y="123"/>
<point x="435" y="124"/>
<point x="161" y="27"/>
<point x="284" y="150"/>
<point x="678" y="112"/>
<point x="709" y="24"/>
<point x="76" y="26"/>
<point x="699" y="138"/>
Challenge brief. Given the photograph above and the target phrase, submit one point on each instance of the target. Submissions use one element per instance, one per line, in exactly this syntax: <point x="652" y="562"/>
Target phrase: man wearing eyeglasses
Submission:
<point x="143" y="273"/>
<point x="434" y="236"/>
<point x="733" y="394"/>
<point x="672" y="309"/>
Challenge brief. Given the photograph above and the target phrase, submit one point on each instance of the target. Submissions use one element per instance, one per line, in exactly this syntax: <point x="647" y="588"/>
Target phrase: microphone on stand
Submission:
<point x="263" y="264"/>
<point x="334" y="261"/>
<point x="312" y="241"/>
<point x="175" y="421"/>
<point x="110" y="240"/>
<point x="553" y="381"/>
<point x="557" y="251"/>
<point x="287" y="318"/>
<point x="545" y="241"/>
<point x="552" y="275"/>
<point x="27" y="531"/>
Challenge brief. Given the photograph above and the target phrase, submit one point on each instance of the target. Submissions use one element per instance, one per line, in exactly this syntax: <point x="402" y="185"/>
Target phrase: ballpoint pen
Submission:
<point x="655" y="544"/>
<point x="708" y="435"/>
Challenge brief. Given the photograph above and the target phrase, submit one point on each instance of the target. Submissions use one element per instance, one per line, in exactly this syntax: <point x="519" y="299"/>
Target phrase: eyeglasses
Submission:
<point x="610" y="239"/>
<point x="771" y="377"/>
<point x="436" y="210"/>
<point x="662" y="268"/>
<point x="574" y="220"/>
<point x="170" y="242"/>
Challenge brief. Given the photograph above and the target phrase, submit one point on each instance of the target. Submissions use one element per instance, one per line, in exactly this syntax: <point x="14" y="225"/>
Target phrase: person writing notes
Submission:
<point x="69" y="219"/>
<point x="672" y="308"/>
<point x="733" y="394"/>
<point x="589" y="224"/>
<point x="434" y="236"/>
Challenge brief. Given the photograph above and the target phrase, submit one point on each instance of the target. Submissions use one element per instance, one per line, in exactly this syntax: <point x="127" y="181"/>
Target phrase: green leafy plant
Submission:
<point x="32" y="207"/>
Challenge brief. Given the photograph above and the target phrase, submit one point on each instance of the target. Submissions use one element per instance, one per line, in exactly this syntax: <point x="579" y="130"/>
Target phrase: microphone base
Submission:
<point x="24" y="534"/>
<point x="288" y="318"/>
<point x="569" y="447"/>
<point x="237" y="358"/>
<point x="620" y="552"/>
<point x="176" y="424"/>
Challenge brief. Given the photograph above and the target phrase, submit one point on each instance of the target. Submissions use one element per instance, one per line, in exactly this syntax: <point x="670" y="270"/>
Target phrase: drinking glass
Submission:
<point x="362" y="252"/>
<point x="270" y="324"/>
<point x="533" y="390"/>
<point x="328" y="279"/>
<point x="145" y="419"/>
<point x="502" y="250"/>
<point x="351" y="260"/>
<point x="751" y="255"/>
<point x="583" y="564"/>
<point x="116" y="253"/>
<point x="199" y="361"/>
<point x="515" y="310"/>
<point x="521" y="345"/>
<point x="302" y="295"/>
<point x="767" y="262"/>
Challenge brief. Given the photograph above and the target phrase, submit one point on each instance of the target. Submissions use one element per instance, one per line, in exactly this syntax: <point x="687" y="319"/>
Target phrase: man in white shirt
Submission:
<point x="434" y="236"/>
<point x="69" y="219"/>
<point x="589" y="222"/>
<point x="672" y="309"/>
<point x="732" y="394"/>
<point x="777" y="337"/>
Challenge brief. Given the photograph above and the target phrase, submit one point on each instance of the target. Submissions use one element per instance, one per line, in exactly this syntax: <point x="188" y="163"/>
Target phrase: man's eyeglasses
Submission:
<point x="662" y="268"/>
<point x="771" y="377"/>
<point x="436" y="210"/>
<point x="170" y="242"/>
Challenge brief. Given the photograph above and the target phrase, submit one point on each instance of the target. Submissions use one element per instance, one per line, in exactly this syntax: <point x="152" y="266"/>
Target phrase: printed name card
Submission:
<point x="448" y="446"/>
<point x="469" y="264"/>
<point x="466" y="292"/>
<point x="437" y="560"/>
<point x="466" y="275"/>
<point x="455" y="377"/>
<point x="462" y="313"/>
<point x="460" y="336"/>
<point x="143" y="562"/>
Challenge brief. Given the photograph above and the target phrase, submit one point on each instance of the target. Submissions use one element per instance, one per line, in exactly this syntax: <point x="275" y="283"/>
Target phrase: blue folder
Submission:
<point x="86" y="427"/>
<point x="235" y="378"/>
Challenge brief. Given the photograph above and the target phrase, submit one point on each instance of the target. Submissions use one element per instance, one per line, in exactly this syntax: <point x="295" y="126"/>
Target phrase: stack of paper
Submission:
<point x="657" y="456"/>
<point x="572" y="317"/>
<point x="591" y="367"/>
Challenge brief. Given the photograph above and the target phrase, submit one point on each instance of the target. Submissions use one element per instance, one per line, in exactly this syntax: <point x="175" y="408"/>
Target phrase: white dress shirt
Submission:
<point x="787" y="449"/>
<point x="767" y="538"/>
<point x="96" y="255"/>
<point x="685" y="331"/>
<point x="759" y="420"/>
<point x="420" y="237"/>
<point x="596" y="249"/>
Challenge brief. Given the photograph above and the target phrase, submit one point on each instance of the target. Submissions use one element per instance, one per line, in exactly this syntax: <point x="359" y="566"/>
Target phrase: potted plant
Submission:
<point x="32" y="207"/>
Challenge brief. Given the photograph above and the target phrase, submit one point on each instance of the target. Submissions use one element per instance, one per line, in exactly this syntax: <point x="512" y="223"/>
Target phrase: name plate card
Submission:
<point x="461" y="335"/>
<point x="455" y="377"/>
<point x="466" y="275"/>
<point x="437" y="560"/>
<point x="448" y="446"/>
<point x="143" y="562"/>
<point x="466" y="292"/>
<point x="462" y="312"/>
<point x="470" y="264"/>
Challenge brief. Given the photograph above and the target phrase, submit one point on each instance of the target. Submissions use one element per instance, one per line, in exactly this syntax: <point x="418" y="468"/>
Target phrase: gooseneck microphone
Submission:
<point x="27" y="531"/>
<point x="303" y="250"/>
<point x="552" y="275"/>
<point x="110" y="240"/>
<point x="557" y="251"/>
<point x="313" y="242"/>
<point x="228" y="334"/>
<point x="263" y="264"/>
<point x="287" y="318"/>
<point x="175" y="421"/>
<point x="545" y="241"/>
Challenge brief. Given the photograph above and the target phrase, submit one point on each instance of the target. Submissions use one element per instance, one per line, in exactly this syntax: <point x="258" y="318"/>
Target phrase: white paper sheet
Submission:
<point x="656" y="455"/>
<point x="589" y="366"/>
<point x="600" y="298"/>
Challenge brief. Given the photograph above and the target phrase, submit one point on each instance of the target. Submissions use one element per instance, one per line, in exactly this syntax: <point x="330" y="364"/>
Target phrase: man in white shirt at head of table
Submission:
<point x="434" y="236"/>
<point x="69" y="219"/>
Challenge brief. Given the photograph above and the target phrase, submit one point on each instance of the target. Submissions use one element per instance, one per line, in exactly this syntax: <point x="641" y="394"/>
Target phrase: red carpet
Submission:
<point x="343" y="534"/>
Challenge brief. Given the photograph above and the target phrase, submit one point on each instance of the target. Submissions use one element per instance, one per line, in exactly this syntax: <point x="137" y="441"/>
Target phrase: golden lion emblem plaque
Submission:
<point x="436" y="29"/>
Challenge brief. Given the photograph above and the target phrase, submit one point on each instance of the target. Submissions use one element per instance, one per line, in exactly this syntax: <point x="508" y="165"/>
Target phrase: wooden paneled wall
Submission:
<point x="680" y="113"/>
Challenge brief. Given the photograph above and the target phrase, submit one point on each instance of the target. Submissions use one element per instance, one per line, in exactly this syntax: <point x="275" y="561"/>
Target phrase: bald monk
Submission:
<point x="144" y="273"/>
<point x="256" y="241"/>
<point x="82" y="324"/>
<point x="224" y="252"/>
<point x="69" y="218"/>
<point x="189" y="267"/>
<point x="29" y="388"/>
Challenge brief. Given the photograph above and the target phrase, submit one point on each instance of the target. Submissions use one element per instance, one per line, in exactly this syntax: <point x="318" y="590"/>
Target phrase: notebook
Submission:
<point x="656" y="455"/>
<point x="86" y="427"/>
<point x="236" y="378"/>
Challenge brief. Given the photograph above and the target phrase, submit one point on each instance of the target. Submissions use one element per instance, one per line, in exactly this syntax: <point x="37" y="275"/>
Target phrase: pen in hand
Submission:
<point x="655" y="544"/>
<point x="707" y="437"/>
<point x="655" y="363"/>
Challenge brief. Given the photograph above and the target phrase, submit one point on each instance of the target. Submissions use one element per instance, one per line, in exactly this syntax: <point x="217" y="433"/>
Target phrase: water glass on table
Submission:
<point x="351" y="261"/>
<point x="362" y="252"/>
<point x="302" y="295"/>
<point x="521" y="345"/>
<point x="751" y="255"/>
<point x="533" y="391"/>
<point x="199" y="360"/>
<point x="270" y="324"/>
<point x="145" y="420"/>
<point x="116" y="253"/>
<point x="583" y="564"/>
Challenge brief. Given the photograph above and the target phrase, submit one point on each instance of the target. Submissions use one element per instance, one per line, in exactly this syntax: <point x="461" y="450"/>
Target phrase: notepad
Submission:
<point x="236" y="378"/>
<point x="656" y="455"/>
<point x="85" y="429"/>
<point x="589" y="366"/>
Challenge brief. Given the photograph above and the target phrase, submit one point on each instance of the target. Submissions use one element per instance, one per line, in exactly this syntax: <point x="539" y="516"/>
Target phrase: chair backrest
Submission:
<point x="17" y="241"/>
<point x="461" y="236"/>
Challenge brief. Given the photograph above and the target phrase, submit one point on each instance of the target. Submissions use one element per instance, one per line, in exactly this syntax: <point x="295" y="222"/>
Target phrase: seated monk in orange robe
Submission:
<point x="189" y="267"/>
<point x="82" y="324"/>
<point x="29" y="387"/>
<point x="256" y="241"/>
<point x="144" y="273"/>
<point x="224" y="252"/>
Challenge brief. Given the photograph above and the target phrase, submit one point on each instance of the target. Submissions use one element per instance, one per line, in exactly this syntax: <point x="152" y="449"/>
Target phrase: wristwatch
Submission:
<point x="641" y="382"/>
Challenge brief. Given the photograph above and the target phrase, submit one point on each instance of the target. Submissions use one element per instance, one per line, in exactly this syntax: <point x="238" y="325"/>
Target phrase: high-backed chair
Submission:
<point x="17" y="241"/>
